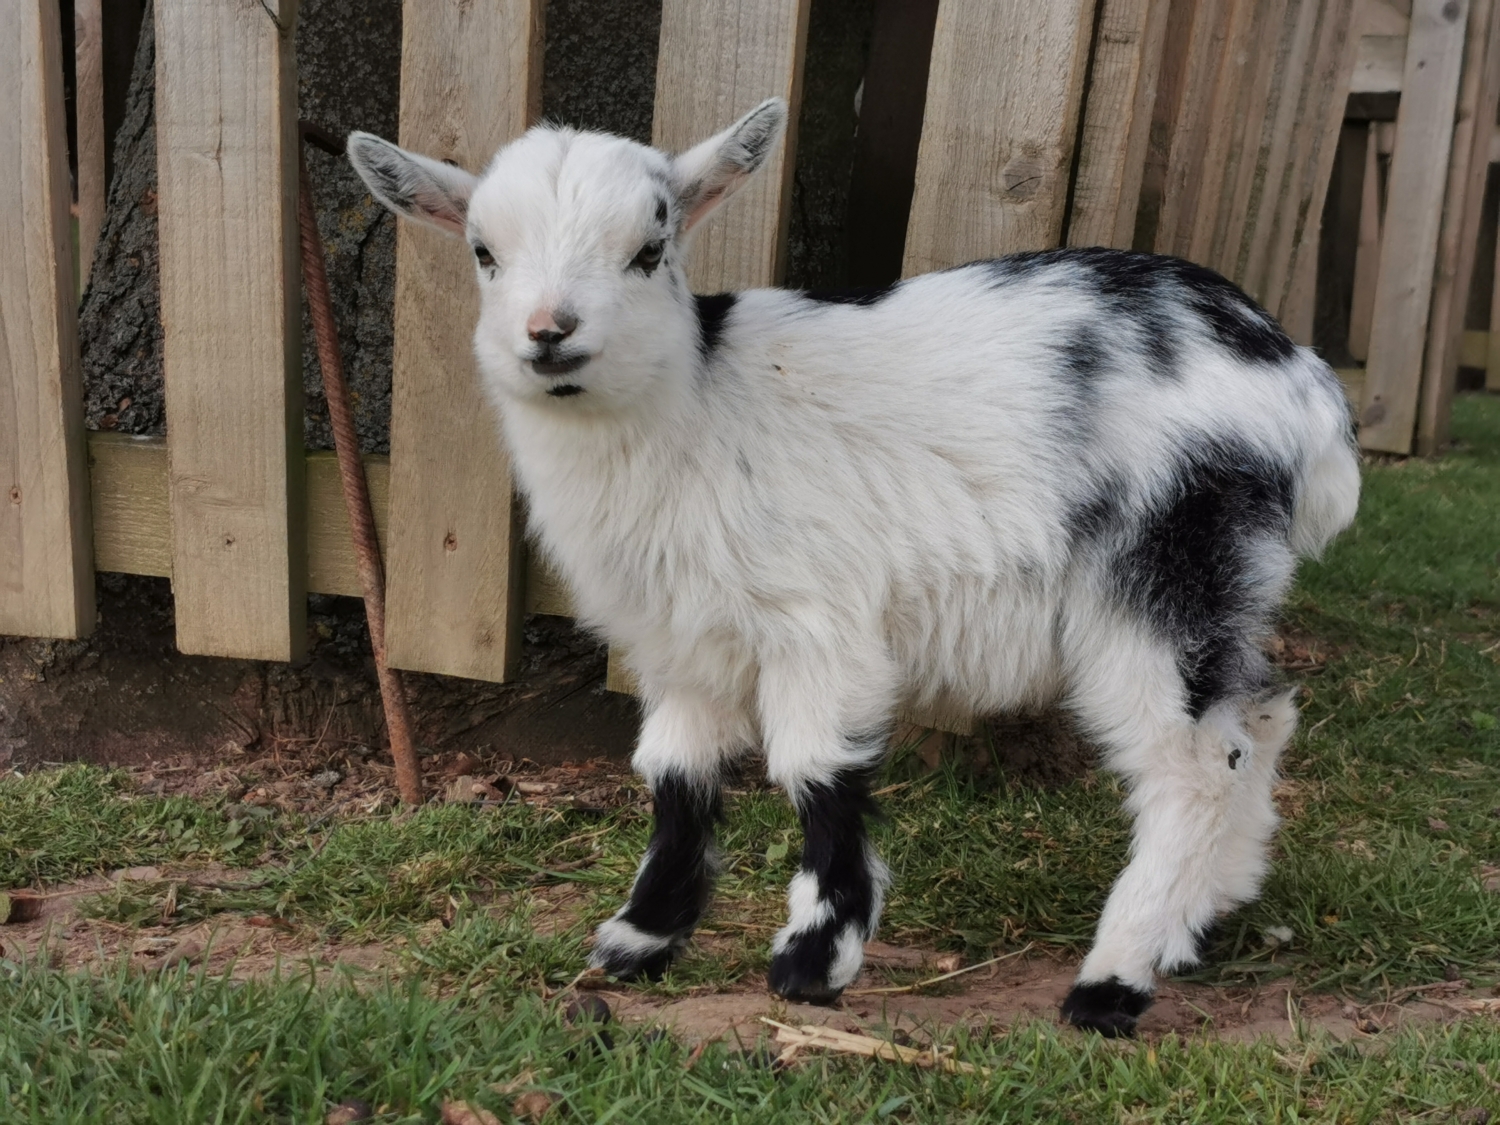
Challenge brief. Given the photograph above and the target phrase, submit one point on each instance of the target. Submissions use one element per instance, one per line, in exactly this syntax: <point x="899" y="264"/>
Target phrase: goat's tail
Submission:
<point x="1329" y="492"/>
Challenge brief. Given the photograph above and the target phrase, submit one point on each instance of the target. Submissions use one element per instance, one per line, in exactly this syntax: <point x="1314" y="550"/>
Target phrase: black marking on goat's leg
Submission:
<point x="1110" y="1007"/>
<point x="672" y="887"/>
<point x="835" y="898"/>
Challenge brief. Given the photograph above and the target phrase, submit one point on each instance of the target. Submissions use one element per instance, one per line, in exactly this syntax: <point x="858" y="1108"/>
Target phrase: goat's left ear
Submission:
<point x="415" y="186"/>
<point x="710" y="172"/>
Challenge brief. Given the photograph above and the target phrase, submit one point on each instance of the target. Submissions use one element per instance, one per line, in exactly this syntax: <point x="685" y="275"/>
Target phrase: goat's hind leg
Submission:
<point x="683" y="743"/>
<point x="1199" y="794"/>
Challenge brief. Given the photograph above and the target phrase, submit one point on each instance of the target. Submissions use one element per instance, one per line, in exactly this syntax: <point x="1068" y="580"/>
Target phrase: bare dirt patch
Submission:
<point x="1032" y="989"/>
<point x="243" y="946"/>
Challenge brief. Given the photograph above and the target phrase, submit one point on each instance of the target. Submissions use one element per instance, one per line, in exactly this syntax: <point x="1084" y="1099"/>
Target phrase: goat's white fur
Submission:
<point x="842" y="509"/>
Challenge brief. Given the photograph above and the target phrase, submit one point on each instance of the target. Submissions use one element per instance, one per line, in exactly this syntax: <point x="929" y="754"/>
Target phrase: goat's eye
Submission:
<point x="649" y="256"/>
<point x="483" y="256"/>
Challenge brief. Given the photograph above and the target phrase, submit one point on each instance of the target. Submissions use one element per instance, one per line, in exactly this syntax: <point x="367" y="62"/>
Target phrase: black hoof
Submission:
<point x="630" y="954"/>
<point x="800" y="971"/>
<point x="627" y="966"/>
<point x="1110" y="1007"/>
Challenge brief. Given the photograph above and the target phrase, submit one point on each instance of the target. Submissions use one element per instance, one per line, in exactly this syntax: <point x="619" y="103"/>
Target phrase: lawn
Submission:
<point x="1386" y="878"/>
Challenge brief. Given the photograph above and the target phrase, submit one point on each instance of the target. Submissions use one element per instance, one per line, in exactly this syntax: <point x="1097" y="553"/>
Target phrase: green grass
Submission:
<point x="1394" y="782"/>
<point x="179" y="1047"/>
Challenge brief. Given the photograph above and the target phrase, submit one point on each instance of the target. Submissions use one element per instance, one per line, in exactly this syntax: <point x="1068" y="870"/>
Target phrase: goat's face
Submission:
<point x="578" y="242"/>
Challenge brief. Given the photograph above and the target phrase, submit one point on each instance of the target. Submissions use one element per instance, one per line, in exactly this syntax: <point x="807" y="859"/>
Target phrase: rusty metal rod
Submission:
<point x="352" y="470"/>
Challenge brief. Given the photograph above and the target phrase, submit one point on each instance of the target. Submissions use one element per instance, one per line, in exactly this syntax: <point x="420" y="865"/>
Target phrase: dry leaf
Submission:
<point x="186" y="950"/>
<point x="1437" y="825"/>
<point x="20" y="906"/>
<point x="519" y="1082"/>
<point x="349" y="1112"/>
<point x="948" y="962"/>
<point x="462" y="1113"/>
<point x="532" y="1105"/>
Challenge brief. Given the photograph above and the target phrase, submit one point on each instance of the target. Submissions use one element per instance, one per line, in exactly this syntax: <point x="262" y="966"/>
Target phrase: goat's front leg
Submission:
<point x="683" y="742"/>
<point x="834" y="901"/>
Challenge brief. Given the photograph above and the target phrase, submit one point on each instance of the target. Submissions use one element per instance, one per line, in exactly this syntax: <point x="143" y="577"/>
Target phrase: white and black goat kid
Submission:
<point x="1073" y="475"/>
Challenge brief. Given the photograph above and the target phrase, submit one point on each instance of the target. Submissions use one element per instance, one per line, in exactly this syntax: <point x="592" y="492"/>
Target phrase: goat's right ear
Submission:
<point x="712" y="171"/>
<point x="415" y="186"/>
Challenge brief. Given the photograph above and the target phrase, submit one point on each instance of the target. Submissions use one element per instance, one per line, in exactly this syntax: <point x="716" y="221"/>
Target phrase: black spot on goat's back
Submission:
<point x="1192" y="568"/>
<point x="1083" y="354"/>
<point x="1153" y="290"/>
<point x="713" y="311"/>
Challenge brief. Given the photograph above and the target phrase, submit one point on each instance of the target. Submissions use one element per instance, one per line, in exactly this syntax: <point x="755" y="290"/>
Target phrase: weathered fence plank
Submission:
<point x="717" y="60"/>
<point x="1321" y="89"/>
<point x="1367" y="255"/>
<point x="88" y="100"/>
<point x="470" y="81"/>
<point x="1413" y="218"/>
<point x="131" y="504"/>
<point x="133" y="519"/>
<point x="1458" y="240"/>
<point x="1191" y="179"/>
<point x="46" y="581"/>
<point x="1003" y="96"/>
<point x="1128" y="40"/>
<point x="227" y="179"/>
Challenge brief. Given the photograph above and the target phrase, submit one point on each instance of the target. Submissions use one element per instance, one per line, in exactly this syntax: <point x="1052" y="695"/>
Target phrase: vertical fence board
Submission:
<point x="1296" y="41"/>
<point x="1458" y="242"/>
<point x="470" y="81"/>
<point x="46" y="576"/>
<point x="1492" y="360"/>
<point x="1285" y="122"/>
<point x="1222" y="250"/>
<point x="1413" y="217"/>
<point x="1321" y="89"/>
<point x="1128" y="40"/>
<point x="717" y="60"/>
<point x="1003" y="96"/>
<point x="88" y="99"/>
<point x="1197" y="124"/>
<point x="1367" y="256"/>
<point x="227" y="181"/>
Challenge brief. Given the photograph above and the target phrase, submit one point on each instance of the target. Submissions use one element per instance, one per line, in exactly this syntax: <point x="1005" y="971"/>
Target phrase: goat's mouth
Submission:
<point x="550" y="363"/>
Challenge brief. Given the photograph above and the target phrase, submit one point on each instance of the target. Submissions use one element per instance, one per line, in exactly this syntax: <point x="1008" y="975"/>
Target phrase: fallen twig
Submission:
<point x="1476" y="1004"/>
<point x="1436" y="986"/>
<point x="894" y="990"/>
<point x="794" y="1039"/>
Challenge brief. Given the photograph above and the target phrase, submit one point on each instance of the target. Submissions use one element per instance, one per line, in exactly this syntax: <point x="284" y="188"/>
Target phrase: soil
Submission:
<point x="126" y="696"/>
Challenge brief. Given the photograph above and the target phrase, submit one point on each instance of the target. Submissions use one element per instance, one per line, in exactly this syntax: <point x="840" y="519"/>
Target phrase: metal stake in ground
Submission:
<point x="352" y="469"/>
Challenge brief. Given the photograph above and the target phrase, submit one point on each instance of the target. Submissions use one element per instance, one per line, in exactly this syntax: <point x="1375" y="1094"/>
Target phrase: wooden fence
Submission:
<point x="1200" y="127"/>
<point x="1419" y="214"/>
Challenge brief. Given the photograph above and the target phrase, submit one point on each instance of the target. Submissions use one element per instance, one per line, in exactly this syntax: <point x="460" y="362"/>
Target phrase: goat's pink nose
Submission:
<point x="550" y="326"/>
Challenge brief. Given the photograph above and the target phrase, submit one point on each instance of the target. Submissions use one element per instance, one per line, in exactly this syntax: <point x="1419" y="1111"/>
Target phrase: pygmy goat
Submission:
<point x="1072" y="475"/>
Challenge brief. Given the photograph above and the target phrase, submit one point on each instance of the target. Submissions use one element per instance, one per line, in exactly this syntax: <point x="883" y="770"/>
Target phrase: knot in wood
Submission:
<point x="1023" y="178"/>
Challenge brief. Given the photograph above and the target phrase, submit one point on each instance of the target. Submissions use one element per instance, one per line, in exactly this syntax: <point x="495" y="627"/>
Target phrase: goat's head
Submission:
<point x="578" y="242"/>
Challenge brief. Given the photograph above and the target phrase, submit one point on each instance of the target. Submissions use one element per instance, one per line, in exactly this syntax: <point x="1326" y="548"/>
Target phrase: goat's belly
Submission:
<point x="985" y="651"/>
